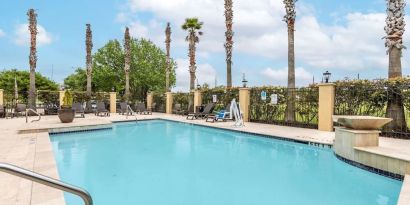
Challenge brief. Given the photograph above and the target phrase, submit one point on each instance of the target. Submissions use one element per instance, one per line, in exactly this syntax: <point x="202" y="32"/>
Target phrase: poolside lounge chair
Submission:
<point x="207" y="110"/>
<point x="178" y="109"/>
<point x="79" y="109"/>
<point x="142" y="109"/>
<point x="124" y="109"/>
<point x="20" y="109"/>
<point x="223" y="115"/>
<point x="102" y="110"/>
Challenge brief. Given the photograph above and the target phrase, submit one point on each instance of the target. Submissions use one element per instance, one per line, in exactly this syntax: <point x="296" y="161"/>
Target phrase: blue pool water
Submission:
<point x="161" y="162"/>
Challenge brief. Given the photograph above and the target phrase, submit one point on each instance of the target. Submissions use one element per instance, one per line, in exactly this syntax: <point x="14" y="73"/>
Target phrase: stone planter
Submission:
<point x="361" y="122"/>
<point x="66" y="115"/>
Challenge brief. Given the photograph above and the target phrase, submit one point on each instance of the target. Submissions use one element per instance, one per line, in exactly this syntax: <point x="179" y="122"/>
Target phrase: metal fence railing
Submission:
<point x="269" y="105"/>
<point x="159" y="100"/>
<point x="223" y="96"/>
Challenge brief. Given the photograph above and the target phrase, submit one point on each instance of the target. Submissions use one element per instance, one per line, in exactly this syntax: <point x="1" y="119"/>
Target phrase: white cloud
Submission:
<point x="2" y="33"/>
<point x="280" y="76"/>
<point x="205" y="72"/>
<point x="22" y="35"/>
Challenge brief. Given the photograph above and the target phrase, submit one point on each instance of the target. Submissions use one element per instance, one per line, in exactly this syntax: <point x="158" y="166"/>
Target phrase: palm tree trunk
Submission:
<point x="395" y="106"/>
<point x="192" y="63"/>
<point x="89" y="45"/>
<point x="33" y="58"/>
<point x="229" y="41"/>
<point x="127" y="60"/>
<point x="168" y="60"/>
<point x="290" y="107"/>
<point x="127" y="85"/>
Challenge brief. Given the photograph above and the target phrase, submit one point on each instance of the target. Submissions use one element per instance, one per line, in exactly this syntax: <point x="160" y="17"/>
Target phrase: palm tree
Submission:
<point x="192" y="25"/>
<point x="394" y="43"/>
<point x="127" y="62"/>
<point x="168" y="46"/>
<point x="229" y="42"/>
<point x="32" y="17"/>
<point x="290" y="18"/>
<point x="89" y="47"/>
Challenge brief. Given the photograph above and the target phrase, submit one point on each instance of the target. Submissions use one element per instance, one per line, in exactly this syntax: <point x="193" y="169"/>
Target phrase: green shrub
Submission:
<point x="67" y="99"/>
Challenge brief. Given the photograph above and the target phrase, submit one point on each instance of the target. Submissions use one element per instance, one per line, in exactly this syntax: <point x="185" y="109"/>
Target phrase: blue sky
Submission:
<point x="342" y="36"/>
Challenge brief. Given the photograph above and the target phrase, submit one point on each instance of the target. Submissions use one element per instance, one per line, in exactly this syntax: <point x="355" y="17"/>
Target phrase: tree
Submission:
<point x="147" y="69"/>
<point x="193" y="26"/>
<point x="127" y="61"/>
<point x="77" y="81"/>
<point x="394" y="29"/>
<point x="168" y="47"/>
<point x="229" y="42"/>
<point x="32" y="17"/>
<point x="22" y="77"/>
<point x="89" y="47"/>
<point x="290" y="18"/>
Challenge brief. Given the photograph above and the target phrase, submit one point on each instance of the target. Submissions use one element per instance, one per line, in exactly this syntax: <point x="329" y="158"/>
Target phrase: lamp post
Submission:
<point x="198" y="86"/>
<point x="326" y="76"/>
<point x="244" y="81"/>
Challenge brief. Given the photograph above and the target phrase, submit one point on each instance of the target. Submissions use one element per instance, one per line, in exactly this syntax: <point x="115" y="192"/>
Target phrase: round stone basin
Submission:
<point x="361" y="122"/>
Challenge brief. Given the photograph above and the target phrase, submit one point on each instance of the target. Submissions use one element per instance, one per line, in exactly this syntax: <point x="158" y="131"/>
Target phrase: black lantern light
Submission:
<point x="326" y="76"/>
<point x="198" y="86"/>
<point x="244" y="81"/>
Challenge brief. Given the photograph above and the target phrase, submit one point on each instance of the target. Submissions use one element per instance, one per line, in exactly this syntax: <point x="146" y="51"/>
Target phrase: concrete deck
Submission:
<point x="28" y="146"/>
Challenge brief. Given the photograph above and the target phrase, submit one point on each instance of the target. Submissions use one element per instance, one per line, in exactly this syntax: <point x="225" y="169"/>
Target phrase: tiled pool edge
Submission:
<point x="371" y="169"/>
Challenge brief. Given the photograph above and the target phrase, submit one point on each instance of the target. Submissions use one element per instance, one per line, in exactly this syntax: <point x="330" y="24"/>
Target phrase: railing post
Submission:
<point x="244" y="103"/>
<point x="326" y="106"/>
<point x="197" y="98"/>
<point x="149" y="101"/>
<point x="1" y="97"/>
<point x="61" y="97"/>
<point x="113" y="102"/>
<point x="169" y="101"/>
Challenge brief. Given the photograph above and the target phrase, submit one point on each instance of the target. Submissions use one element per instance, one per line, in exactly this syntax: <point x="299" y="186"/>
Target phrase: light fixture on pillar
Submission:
<point x="198" y="86"/>
<point x="326" y="76"/>
<point x="244" y="81"/>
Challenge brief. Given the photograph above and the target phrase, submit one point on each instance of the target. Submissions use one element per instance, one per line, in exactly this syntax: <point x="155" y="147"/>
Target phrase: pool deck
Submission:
<point x="28" y="146"/>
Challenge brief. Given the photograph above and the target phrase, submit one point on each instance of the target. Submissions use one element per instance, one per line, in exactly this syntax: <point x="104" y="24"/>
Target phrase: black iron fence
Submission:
<point x="180" y="102"/>
<point x="222" y="96"/>
<point x="159" y="102"/>
<point x="269" y="105"/>
<point x="381" y="99"/>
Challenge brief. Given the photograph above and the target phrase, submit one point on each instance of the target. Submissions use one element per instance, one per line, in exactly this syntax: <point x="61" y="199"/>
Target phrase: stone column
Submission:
<point x="197" y="99"/>
<point x="326" y="106"/>
<point x="149" y="100"/>
<point x="61" y="97"/>
<point x="244" y="103"/>
<point x="1" y="97"/>
<point x="169" y="101"/>
<point x="113" y="102"/>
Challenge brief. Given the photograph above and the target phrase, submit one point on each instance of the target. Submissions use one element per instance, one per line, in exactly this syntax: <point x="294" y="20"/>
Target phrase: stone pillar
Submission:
<point x="169" y="101"/>
<point x="149" y="101"/>
<point x="326" y="106"/>
<point x="61" y="97"/>
<point x="197" y="99"/>
<point x="244" y="102"/>
<point x="113" y="102"/>
<point x="1" y="97"/>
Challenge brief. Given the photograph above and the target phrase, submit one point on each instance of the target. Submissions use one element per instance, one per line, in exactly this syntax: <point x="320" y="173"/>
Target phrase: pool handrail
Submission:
<point x="48" y="181"/>
<point x="35" y="112"/>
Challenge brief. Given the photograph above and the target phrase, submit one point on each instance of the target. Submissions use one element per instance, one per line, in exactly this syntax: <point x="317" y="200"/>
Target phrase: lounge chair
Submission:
<point x="178" y="109"/>
<point x="102" y="110"/>
<point x="20" y="109"/>
<point x="221" y="115"/>
<point x="2" y="111"/>
<point x="79" y="109"/>
<point x="124" y="109"/>
<point x="207" y="110"/>
<point x="142" y="109"/>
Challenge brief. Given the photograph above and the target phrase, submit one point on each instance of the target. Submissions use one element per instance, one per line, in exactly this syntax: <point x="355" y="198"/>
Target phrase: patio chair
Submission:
<point x="2" y="111"/>
<point x="79" y="109"/>
<point x="124" y="109"/>
<point x="223" y="115"/>
<point x="20" y="109"/>
<point x="207" y="110"/>
<point x="142" y="109"/>
<point x="101" y="109"/>
<point x="178" y="109"/>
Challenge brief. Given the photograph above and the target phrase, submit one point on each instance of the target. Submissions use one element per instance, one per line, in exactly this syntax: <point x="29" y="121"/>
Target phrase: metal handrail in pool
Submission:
<point x="35" y="112"/>
<point x="27" y="174"/>
<point x="132" y="111"/>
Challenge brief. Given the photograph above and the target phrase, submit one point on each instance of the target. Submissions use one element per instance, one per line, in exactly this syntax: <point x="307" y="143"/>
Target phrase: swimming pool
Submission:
<point x="162" y="162"/>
